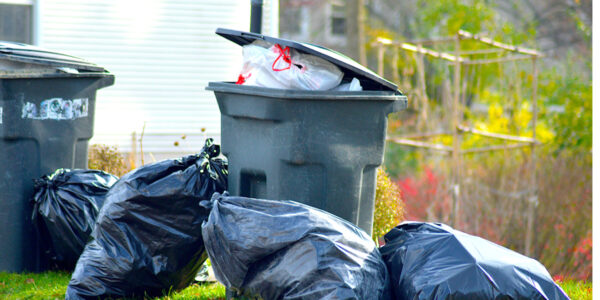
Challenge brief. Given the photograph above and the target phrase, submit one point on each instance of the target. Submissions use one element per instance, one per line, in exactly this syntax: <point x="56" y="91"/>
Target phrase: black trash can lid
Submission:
<point x="29" y="54"/>
<point x="368" y="79"/>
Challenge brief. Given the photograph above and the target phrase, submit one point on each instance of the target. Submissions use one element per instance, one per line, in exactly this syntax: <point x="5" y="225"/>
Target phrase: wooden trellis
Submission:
<point x="458" y="58"/>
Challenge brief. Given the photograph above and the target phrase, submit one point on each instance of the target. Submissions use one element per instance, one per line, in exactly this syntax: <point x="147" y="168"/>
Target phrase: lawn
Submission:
<point x="52" y="285"/>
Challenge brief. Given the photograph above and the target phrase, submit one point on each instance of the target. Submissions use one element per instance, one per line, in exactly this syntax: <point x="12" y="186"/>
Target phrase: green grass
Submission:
<point x="52" y="285"/>
<point x="577" y="290"/>
<point x="195" y="291"/>
<point x="47" y="285"/>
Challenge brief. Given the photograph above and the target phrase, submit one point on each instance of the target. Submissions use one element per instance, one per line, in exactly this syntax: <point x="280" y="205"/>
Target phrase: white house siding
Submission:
<point x="163" y="54"/>
<point x="270" y="23"/>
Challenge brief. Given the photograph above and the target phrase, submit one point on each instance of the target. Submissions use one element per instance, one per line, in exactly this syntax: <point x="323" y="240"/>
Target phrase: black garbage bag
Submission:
<point x="147" y="239"/>
<point x="434" y="261"/>
<point x="287" y="250"/>
<point x="65" y="207"/>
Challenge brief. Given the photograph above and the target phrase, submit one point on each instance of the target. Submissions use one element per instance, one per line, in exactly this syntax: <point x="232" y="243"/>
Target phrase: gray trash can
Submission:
<point x="321" y="148"/>
<point x="47" y="104"/>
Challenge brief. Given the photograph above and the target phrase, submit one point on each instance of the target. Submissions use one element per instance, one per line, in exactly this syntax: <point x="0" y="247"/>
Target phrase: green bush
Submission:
<point x="108" y="159"/>
<point x="389" y="208"/>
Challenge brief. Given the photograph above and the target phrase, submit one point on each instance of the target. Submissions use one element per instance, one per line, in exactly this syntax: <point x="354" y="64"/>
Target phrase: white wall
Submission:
<point x="162" y="52"/>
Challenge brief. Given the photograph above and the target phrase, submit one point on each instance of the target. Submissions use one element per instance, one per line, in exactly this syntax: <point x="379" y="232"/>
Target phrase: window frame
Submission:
<point x="337" y="39"/>
<point x="335" y="13"/>
<point x="33" y="25"/>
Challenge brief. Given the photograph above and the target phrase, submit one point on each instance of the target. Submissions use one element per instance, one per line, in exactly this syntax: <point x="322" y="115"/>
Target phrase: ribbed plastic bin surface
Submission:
<point x="46" y="120"/>
<point x="320" y="148"/>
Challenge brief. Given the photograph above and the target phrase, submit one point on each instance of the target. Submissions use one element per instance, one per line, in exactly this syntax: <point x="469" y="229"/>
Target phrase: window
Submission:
<point x="16" y="21"/>
<point x="338" y="18"/>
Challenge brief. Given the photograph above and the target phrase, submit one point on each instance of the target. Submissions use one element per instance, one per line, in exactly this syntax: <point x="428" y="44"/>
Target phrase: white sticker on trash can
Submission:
<point x="0" y="114"/>
<point x="56" y="109"/>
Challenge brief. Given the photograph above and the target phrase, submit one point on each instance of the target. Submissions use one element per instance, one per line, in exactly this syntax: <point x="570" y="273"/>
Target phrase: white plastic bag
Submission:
<point x="280" y="67"/>
<point x="352" y="86"/>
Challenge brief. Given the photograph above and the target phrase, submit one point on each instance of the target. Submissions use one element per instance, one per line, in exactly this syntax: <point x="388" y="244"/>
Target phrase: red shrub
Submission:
<point x="493" y="204"/>
<point x="583" y="258"/>
<point x="422" y="199"/>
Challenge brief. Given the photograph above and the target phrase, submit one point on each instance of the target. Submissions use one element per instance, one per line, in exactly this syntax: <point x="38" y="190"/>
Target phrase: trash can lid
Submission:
<point x="368" y="79"/>
<point x="35" y="55"/>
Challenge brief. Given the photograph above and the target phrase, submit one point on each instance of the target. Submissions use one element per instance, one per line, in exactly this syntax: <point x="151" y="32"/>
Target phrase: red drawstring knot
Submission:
<point x="242" y="78"/>
<point x="285" y="55"/>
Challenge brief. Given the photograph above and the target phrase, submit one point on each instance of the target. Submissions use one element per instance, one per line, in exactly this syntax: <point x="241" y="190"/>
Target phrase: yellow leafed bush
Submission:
<point x="108" y="159"/>
<point x="389" y="207"/>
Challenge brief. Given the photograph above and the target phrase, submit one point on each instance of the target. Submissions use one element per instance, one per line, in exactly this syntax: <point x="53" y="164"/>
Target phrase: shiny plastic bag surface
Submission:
<point x="66" y="204"/>
<point x="147" y="239"/>
<point x="274" y="66"/>
<point x="434" y="261"/>
<point x="288" y="250"/>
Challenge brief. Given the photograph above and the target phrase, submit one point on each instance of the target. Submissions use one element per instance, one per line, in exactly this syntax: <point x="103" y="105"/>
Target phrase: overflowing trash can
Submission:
<point x="47" y="102"/>
<point x="320" y="148"/>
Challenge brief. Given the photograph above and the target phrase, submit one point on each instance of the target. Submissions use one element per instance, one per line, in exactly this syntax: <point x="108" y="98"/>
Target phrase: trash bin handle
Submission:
<point x="106" y="81"/>
<point x="253" y="35"/>
<point x="398" y="105"/>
